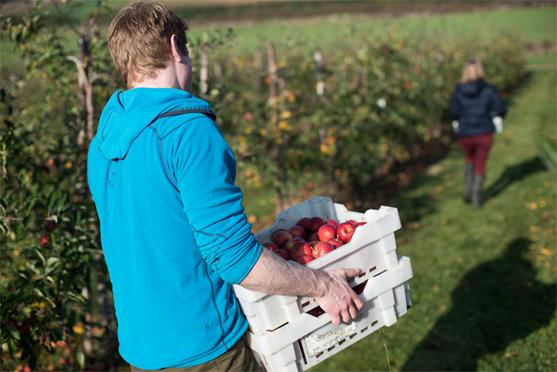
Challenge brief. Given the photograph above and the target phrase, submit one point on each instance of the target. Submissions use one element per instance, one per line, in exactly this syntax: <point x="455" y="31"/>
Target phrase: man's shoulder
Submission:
<point x="183" y="124"/>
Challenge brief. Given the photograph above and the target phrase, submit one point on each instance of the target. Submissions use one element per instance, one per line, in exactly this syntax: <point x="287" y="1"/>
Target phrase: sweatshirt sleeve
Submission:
<point x="497" y="104"/>
<point x="454" y="110"/>
<point x="205" y="169"/>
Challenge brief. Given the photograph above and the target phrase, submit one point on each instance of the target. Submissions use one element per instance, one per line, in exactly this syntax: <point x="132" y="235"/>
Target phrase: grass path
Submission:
<point x="484" y="288"/>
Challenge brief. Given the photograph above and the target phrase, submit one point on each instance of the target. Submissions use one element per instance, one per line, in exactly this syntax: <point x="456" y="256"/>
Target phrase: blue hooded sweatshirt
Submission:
<point x="173" y="229"/>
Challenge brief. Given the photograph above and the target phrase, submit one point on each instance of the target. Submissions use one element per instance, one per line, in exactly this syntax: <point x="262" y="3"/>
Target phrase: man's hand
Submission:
<point x="273" y="275"/>
<point x="339" y="300"/>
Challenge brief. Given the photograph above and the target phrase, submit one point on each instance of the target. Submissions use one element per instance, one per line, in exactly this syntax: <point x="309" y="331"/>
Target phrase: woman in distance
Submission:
<point x="477" y="111"/>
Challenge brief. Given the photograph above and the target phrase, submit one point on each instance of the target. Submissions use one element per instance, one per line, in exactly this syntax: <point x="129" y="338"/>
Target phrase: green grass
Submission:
<point x="547" y="58"/>
<point x="9" y="59"/>
<point x="484" y="289"/>
<point x="534" y="25"/>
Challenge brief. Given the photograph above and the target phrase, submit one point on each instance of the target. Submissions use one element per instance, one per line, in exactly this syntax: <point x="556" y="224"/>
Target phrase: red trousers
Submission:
<point x="476" y="149"/>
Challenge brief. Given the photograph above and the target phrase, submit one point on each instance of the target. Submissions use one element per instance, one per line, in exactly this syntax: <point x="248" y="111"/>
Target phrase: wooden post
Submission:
<point x="320" y="84"/>
<point x="204" y="72"/>
<point x="320" y="91"/>
<point x="85" y="78"/>
<point x="95" y="297"/>
<point x="87" y="103"/>
<point x="272" y="82"/>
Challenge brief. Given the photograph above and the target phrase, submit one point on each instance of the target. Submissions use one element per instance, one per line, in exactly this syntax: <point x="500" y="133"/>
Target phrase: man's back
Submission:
<point x="173" y="228"/>
<point x="172" y="304"/>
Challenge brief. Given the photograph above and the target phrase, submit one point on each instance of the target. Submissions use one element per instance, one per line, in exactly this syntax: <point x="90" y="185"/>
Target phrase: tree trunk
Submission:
<point x="280" y="173"/>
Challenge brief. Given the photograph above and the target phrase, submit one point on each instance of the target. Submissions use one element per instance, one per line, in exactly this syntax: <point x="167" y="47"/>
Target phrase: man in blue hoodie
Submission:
<point x="173" y="230"/>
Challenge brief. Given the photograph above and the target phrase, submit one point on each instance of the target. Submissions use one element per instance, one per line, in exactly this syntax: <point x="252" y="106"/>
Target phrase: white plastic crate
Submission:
<point x="285" y="336"/>
<point x="310" y="340"/>
<point x="372" y="249"/>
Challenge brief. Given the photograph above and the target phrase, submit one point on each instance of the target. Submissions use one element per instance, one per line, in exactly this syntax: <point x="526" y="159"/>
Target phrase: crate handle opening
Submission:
<point x="318" y="311"/>
<point x="302" y="352"/>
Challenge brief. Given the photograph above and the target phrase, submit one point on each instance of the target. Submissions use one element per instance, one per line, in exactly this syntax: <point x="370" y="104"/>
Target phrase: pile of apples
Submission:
<point x="311" y="238"/>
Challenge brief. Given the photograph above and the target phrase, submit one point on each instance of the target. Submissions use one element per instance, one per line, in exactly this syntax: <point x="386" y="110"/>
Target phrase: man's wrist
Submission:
<point x="321" y="282"/>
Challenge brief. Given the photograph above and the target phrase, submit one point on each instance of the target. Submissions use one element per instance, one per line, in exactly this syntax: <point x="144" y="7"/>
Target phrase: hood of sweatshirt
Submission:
<point x="472" y="89"/>
<point x="130" y="112"/>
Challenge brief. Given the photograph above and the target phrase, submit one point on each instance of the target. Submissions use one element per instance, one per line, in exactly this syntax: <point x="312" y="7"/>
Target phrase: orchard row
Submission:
<point x="351" y="115"/>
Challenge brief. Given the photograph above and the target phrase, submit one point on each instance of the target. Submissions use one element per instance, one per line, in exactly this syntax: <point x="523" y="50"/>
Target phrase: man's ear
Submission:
<point x="174" y="49"/>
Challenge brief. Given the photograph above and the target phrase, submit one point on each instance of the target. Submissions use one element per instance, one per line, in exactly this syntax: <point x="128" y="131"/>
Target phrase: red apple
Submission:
<point x="313" y="237"/>
<point x="280" y="237"/>
<point x="304" y="222"/>
<point x="321" y="249"/>
<point x="297" y="231"/>
<point x="353" y="222"/>
<point x="301" y="249"/>
<point x="326" y="232"/>
<point x="336" y="242"/>
<point x="345" y="231"/>
<point x="270" y="245"/>
<point x="292" y="242"/>
<point x="314" y="224"/>
<point x="332" y="223"/>
<point x="282" y="253"/>
<point x="305" y="259"/>
<point x="43" y="241"/>
<point x="360" y="224"/>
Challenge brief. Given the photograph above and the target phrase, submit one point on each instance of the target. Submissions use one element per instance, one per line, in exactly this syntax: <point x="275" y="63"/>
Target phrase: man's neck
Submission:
<point x="165" y="78"/>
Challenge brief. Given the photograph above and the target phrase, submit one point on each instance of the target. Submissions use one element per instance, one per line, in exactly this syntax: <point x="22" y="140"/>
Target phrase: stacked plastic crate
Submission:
<point x="289" y="333"/>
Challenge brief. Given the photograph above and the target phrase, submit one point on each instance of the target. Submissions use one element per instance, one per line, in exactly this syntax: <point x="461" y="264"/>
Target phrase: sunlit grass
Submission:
<point x="484" y="280"/>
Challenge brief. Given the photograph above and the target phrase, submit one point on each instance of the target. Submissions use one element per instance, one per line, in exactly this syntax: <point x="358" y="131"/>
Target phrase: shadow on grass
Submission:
<point x="496" y="303"/>
<point x="514" y="173"/>
<point x="413" y="209"/>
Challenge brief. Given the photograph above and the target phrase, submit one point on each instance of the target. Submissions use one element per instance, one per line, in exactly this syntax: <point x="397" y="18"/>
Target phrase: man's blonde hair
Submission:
<point x="472" y="71"/>
<point x="139" y="39"/>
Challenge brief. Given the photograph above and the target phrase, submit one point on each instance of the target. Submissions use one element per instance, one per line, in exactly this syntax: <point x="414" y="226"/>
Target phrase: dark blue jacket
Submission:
<point x="474" y="105"/>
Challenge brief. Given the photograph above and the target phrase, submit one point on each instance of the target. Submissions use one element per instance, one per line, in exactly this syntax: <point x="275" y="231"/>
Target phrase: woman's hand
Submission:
<point x="455" y="126"/>
<point x="498" y="123"/>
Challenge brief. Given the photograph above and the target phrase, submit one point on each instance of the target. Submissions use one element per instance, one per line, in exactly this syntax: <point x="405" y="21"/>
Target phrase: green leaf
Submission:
<point x="80" y="358"/>
<point x="32" y="267"/>
<point x="14" y="333"/>
<point x="548" y="151"/>
<point x="41" y="256"/>
<point x="76" y="298"/>
<point x="12" y="347"/>
<point x="38" y="292"/>
<point x="51" y="263"/>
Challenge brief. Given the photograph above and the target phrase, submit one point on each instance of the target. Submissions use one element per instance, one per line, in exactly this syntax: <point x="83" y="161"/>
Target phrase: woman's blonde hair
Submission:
<point x="139" y="39"/>
<point x="472" y="71"/>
